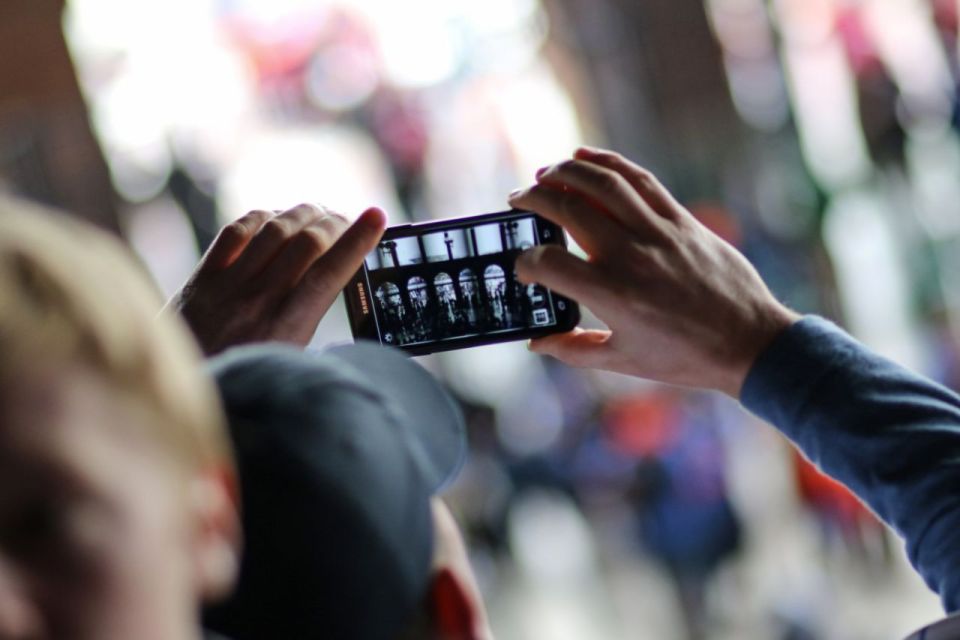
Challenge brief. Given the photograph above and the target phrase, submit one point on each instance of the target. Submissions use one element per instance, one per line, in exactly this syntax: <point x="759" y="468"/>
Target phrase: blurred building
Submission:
<point x="47" y="148"/>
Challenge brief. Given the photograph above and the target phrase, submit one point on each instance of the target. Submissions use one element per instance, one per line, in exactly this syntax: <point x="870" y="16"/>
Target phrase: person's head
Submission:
<point x="341" y="455"/>
<point x="116" y="517"/>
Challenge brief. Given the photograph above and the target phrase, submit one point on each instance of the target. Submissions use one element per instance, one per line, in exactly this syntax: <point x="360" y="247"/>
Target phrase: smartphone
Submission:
<point x="450" y="284"/>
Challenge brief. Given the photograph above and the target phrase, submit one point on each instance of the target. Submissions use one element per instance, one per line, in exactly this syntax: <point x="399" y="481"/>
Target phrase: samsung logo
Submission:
<point x="364" y="307"/>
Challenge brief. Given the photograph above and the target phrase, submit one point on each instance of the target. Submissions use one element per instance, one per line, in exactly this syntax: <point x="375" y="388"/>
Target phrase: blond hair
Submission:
<point x="73" y="295"/>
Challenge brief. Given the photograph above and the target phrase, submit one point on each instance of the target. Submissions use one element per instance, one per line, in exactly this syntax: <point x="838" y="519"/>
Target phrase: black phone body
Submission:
<point x="450" y="284"/>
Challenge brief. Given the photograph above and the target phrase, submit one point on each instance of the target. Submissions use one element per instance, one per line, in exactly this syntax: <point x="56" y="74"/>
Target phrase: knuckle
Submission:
<point x="314" y="240"/>
<point x="613" y="156"/>
<point x="307" y="207"/>
<point x="332" y="226"/>
<point x="338" y="217"/>
<point x="245" y="225"/>
<point x="333" y="222"/>
<point x="236" y="230"/>
<point x="533" y="196"/>
<point x="555" y="173"/>
<point x="256" y="216"/>
<point x="645" y="178"/>
<point x="609" y="181"/>
<point x="275" y="229"/>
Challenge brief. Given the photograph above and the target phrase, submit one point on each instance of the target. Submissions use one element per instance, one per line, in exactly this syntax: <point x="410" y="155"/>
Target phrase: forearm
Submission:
<point x="891" y="436"/>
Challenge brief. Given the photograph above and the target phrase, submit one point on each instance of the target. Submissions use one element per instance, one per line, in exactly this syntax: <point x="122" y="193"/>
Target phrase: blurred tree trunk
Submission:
<point x="656" y="85"/>
<point x="47" y="148"/>
<point x="648" y="78"/>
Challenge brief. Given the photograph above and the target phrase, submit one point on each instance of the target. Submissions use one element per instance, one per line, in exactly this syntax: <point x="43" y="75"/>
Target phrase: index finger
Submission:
<point x="559" y="270"/>
<point x="611" y="191"/>
<point x="324" y="280"/>
<point x="593" y="229"/>
<point x="646" y="184"/>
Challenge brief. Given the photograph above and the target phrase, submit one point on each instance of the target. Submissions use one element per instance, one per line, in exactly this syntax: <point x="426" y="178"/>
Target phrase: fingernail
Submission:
<point x="589" y="149"/>
<point x="516" y="193"/>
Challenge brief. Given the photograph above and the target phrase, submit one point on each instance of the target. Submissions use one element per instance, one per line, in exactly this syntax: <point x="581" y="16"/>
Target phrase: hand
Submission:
<point x="682" y="306"/>
<point x="272" y="277"/>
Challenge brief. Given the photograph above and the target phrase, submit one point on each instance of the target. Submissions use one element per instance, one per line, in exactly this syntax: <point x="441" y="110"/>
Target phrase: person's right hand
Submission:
<point x="682" y="305"/>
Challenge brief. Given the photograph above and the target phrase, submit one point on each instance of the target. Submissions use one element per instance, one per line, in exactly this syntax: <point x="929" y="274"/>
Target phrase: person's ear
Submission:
<point x="216" y="540"/>
<point x="453" y="614"/>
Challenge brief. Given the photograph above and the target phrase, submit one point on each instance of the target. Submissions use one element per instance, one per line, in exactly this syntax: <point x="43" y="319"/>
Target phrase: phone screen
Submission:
<point x="451" y="284"/>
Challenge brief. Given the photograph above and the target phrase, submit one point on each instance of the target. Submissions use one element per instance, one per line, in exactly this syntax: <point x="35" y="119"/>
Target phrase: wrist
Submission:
<point x="756" y="337"/>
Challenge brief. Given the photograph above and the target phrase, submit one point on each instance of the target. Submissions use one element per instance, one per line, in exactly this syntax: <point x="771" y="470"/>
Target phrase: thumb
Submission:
<point x="581" y="348"/>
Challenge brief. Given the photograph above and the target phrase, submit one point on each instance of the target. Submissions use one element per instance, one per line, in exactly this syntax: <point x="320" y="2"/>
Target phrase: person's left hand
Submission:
<point x="272" y="277"/>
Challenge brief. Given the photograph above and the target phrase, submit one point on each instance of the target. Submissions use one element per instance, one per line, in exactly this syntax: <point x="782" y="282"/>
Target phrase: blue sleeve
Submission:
<point x="890" y="435"/>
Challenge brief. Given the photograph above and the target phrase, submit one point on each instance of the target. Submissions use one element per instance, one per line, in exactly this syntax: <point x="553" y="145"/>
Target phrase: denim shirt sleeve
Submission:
<point x="890" y="435"/>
